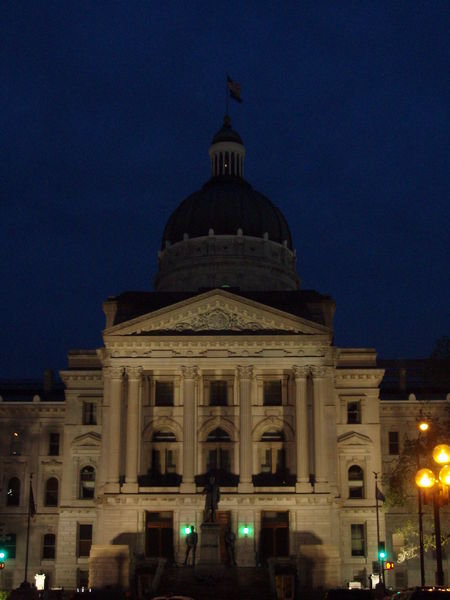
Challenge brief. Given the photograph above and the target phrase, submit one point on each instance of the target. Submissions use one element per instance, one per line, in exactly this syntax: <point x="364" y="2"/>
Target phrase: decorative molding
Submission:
<point x="113" y="372"/>
<point x="301" y="371"/>
<point x="134" y="373"/>
<point x="189" y="372"/>
<point x="245" y="371"/>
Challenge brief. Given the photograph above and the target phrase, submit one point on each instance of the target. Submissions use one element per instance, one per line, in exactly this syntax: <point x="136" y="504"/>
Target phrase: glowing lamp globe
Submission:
<point x="425" y="478"/>
<point x="444" y="475"/>
<point x="423" y="426"/>
<point x="441" y="454"/>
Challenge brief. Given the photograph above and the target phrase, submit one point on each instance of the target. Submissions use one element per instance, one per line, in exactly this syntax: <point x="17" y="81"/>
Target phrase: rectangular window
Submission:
<point x="272" y="393"/>
<point x="48" y="546"/>
<point x="354" y="412"/>
<point x="53" y="446"/>
<point x="84" y="539"/>
<point x="218" y="393"/>
<point x="394" y="444"/>
<point x="164" y="393"/>
<point x="10" y="545"/>
<point x="171" y="466"/>
<point x="89" y="413"/>
<point x="358" y="540"/>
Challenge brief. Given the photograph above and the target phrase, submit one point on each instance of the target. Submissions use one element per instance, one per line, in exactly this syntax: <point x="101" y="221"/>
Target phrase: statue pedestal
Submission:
<point x="209" y="545"/>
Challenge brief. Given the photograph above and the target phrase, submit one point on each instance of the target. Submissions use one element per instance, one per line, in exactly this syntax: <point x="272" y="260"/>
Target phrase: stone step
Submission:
<point x="222" y="583"/>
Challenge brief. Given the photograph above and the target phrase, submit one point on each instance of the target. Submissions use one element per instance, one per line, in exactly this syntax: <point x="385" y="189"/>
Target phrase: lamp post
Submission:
<point x="426" y="479"/>
<point x="423" y="427"/>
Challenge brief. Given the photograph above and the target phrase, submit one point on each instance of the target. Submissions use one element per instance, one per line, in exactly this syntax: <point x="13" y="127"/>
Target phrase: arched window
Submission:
<point x="273" y="452"/>
<point x="13" y="493"/>
<point x="164" y="452"/>
<point x="48" y="546"/>
<point x="51" y="492"/>
<point x="87" y="482"/>
<point x="218" y="450"/>
<point x="355" y="482"/>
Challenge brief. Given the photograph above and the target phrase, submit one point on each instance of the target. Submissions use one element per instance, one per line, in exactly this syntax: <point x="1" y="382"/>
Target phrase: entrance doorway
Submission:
<point x="223" y="518"/>
<point x="159" y="535"/>
<point x="274" y="540"/>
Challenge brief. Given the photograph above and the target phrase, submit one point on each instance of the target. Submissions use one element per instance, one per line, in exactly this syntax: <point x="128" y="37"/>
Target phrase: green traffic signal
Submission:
<point x="2" y="555"/>
<point x="381" y="551"/>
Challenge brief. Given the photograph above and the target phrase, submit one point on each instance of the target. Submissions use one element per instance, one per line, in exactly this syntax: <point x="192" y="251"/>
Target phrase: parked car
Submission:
<point x="421" y="593"/>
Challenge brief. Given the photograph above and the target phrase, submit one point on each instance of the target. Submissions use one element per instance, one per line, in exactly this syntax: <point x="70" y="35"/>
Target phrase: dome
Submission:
<point x="226" y="234"/>
<point x="224" y="205"/>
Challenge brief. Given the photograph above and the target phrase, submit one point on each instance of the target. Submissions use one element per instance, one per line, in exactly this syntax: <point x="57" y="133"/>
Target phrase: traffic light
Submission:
<point x="389" y="565"/>
<point x="381" y="551"/>
<point x="3" y="555"/>
<point x="2" y="565"/>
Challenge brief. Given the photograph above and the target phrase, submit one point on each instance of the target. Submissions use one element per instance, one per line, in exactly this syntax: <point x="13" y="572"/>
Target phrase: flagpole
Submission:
<point x="226" y="98"/>
<point x="25" y="581"/>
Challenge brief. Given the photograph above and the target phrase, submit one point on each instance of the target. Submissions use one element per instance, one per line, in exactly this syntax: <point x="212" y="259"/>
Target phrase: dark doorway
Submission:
<point x="274" y="540"/>
<point x="159" y="535"/>
<point x="223" y="517"/>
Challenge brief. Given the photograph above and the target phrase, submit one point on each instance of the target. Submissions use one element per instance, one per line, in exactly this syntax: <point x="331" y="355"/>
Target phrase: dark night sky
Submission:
<point x="107" y="112"/>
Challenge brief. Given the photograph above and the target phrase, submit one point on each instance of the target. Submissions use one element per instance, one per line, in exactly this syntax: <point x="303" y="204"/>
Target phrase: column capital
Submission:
<point x="320" y="372"/>
<point x="301" y="371"/>
<point x="113" y="372"/>
<point x="189" y="372"/>
<point x="245" y="371"/>
<point x="134" y="373"/>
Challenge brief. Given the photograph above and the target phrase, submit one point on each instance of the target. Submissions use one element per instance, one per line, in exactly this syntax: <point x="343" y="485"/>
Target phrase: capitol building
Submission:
<point x="229" y="368"/>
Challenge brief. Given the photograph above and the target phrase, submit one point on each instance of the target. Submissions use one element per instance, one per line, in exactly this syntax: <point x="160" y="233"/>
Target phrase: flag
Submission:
<point x="380" y="495"/>
<point x="234" y="89"/>
<point x="32" y="505"/>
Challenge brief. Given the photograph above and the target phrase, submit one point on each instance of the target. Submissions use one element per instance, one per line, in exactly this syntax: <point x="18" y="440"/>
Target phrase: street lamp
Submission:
<point x="426" y="479"/>
<point x="423" y="426"/>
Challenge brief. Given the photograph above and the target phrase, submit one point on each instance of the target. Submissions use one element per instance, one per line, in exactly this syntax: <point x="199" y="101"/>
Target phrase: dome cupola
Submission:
<point x="226" y="234"/>
<point x="227" y="152"/>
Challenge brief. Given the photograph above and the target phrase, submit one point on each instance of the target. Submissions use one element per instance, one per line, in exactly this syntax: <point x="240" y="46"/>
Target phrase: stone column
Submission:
<point x="133" y="435"/>
<point x="190" y="375"/>
<point x="115" y="408"/>
<point x="301" y="428"/>
<point x="245" y="375"/>
<point x="320" y="434"/>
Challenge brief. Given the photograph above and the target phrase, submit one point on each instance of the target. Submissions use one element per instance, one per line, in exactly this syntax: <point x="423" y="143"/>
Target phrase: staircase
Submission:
<point x="227" y="583"/>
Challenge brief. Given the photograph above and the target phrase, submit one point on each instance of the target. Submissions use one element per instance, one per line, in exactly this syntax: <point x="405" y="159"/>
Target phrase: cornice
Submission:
<point x="364" y="377"/>
<point x="81" y="376"/>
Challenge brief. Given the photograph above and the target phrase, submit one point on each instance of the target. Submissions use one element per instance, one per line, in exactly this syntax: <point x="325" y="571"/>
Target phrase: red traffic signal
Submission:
<point x="389" y="565"/>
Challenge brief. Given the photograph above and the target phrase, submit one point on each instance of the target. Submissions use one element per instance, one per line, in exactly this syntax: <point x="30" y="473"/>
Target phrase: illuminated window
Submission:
<point x="13" y="493"/>
<point x="84" y="539"/>
<point x="355" y="482"/>
<point x="394" y="443"/>
<point x="354" y="412"/>
<point x="51" y="492"/>
<point x="218" y="393"/>
<point x="53" y="446"/>
<point x="164" y="393"/>
<point x="358" y="540"/>
<point x="49" y="546"/>
<point x="87" y="483"/>
<point x="272" y="393"/>
<point x="89" y="413"/>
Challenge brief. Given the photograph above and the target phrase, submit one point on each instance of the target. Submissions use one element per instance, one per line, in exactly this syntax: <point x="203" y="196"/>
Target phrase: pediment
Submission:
<point x="87" y="440"/>
<point x="353" y="438"/>
<point x="217" y="311"/>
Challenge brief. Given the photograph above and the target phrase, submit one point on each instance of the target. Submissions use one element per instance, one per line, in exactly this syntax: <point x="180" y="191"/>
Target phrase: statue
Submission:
<point x="191" y="544"/>
<point x="212" y="499"/>
<point x="230" y="539"/>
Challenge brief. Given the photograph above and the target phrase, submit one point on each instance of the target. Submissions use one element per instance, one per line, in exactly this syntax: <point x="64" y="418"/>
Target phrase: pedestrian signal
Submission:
<point x="389" y="565"/>
<point x="2" y="565"/>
